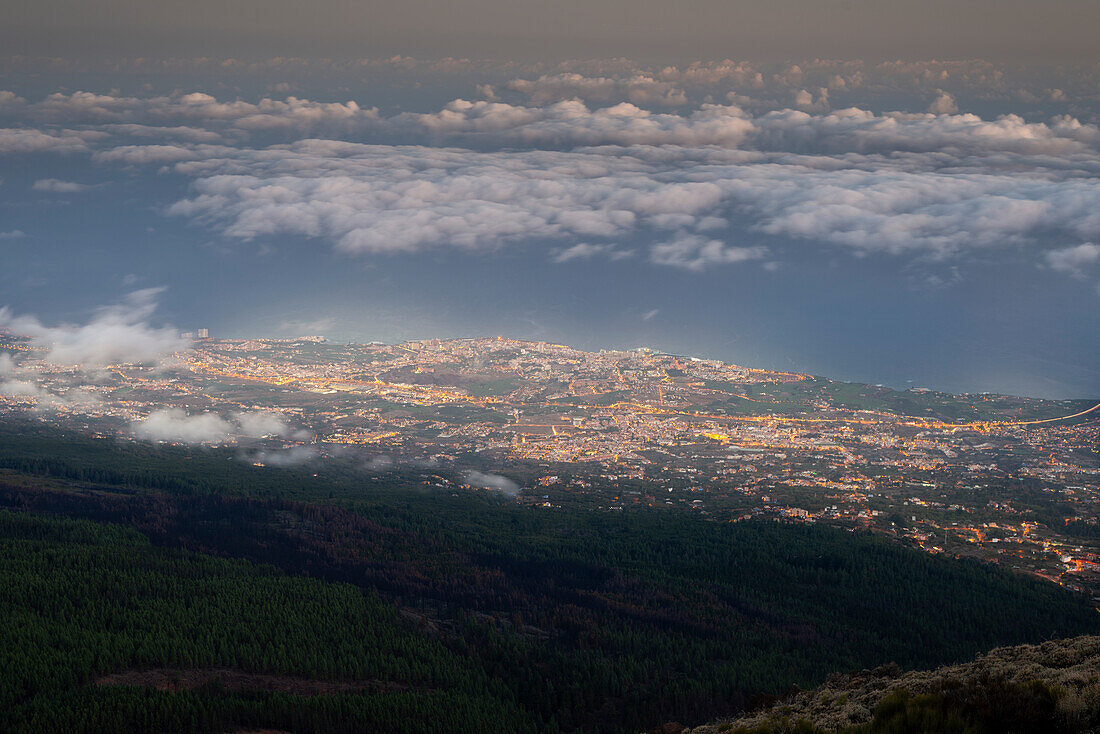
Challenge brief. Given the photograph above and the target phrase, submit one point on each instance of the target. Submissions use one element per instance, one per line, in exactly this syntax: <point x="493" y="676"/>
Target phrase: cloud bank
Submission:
<point x="495" y="482"/>
<point x="178" y="426"/>
<point x="605" y="159"/>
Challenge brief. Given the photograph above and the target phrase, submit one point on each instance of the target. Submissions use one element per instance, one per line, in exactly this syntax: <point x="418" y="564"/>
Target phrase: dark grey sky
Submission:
<point x="1007" y="30"/>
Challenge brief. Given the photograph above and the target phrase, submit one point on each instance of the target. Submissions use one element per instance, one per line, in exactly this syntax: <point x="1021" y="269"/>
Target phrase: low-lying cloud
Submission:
<point x="495" y="482"/>
<point x="293" y="456"/>
<point x="178" y="426"/>
<point x="116" y="334"/>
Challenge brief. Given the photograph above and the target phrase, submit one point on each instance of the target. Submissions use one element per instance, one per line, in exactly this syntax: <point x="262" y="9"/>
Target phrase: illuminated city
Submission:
<point x="1010" y="480"/>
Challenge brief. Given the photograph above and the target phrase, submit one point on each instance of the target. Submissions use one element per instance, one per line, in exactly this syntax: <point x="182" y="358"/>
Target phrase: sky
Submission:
<point x="647" y="30"/>
<point x="856" y="190"/>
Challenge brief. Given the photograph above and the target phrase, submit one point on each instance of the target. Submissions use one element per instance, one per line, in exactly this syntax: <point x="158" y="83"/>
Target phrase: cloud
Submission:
<point x="293" y="456"/>
<point x="22" y="389"/>
<point x="185" y="133"/>
<point x="496" y="482"/>
<point x="856" y="131"/>
<point x="58" y="186"/>
<point x="944" y="104"/>
<point x="807" y="102"/>
<point x="138" y="155"/>
<point x="73" y="399"/>
<point x="12" y="385"/>
<point x="577" y="180"/>
<point x="586" y="251"/>
<point x="695" y="253"/>
<point x="889" y="79"/>
<point x="649" y="315"/>
<point x="380" y="463"/>
<point x="175" y="425"/>
<point x="373" y="199"/>
<point x="639" y="89"/>
<point x="10" y="101"/>
<point x="182" y="111"/>
<point x="738" y="74"/>
<point x="116" y="334"/>
<point x="1074" y="260"/>
<point x="21" y="141"/>
<point x="571" y="123"/>
<point x="15" y="234"/>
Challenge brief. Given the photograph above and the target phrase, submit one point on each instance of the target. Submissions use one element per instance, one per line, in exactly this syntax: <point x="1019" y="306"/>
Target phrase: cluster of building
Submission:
<point x="614" y="429"/>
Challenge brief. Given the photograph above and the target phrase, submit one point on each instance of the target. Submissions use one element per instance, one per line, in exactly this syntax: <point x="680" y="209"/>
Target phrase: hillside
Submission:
<point x="1051" y="687"/>
<point x="138" y="571"/>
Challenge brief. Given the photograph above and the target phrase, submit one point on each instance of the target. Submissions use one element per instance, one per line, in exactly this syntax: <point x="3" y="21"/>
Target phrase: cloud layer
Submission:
<point x="610" y="160"/>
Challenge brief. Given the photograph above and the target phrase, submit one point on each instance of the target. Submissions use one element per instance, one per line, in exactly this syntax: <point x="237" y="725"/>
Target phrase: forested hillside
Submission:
<point x="80" y="599"/>
<point x="433" y="610"/>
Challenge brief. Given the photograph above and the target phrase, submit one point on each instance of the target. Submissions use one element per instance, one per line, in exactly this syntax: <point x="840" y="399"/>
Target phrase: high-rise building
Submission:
<point x="203" y="333"/>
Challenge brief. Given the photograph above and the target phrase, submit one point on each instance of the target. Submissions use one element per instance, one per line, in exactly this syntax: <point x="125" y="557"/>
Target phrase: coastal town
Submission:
<point x="1008" y="480"/>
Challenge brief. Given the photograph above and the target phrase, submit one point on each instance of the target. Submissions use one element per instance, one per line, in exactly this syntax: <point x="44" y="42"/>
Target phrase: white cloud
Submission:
<point x="15" y="140"/>
<point x="22" y="389"/>
<point x="57" y="186"/>
<point x="10" y="102"/>
<point x="638" y="88"/>
<point x="185" y="133"/>
<point x="586" y="251"/>
<point x="692" y="252"/>
<point x="578" y="180"/>
<point x="495" y="482"/>
<point x="1074" y="260"/>
<point x="116" y="334"/>
<point x="571" y="123"/>
<point x="854" y="131"/>
<point x="807" y="102"/>
<point x="374" y="199"/>
<point x="138" y="155"/>
<point x="15" y="234"/>
<point x="944" y="104"/>
<point x="71" y="399"/>
<point x="175" y="425"/>
<point x="293" y="456"/>
<point x="738" y="74"/>
<point x="183" y="111"/>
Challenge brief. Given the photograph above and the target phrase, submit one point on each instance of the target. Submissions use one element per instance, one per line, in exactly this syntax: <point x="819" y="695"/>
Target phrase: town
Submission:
<point x="1008" y="480"/>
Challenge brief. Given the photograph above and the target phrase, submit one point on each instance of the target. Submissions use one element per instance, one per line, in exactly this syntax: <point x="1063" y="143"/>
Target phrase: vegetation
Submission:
<point x="81" y="599"/>
<point x="461" y="602"/>
<point x="1054" y="687"/>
